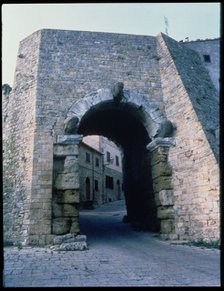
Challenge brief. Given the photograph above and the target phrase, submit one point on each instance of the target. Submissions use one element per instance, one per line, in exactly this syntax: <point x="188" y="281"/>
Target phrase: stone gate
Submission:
<point x="151" y="95"/>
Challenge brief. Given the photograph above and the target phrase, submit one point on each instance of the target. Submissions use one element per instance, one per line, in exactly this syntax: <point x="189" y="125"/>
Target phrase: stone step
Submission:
<point x="69" y="238"/>
<point x="70" y="242"/>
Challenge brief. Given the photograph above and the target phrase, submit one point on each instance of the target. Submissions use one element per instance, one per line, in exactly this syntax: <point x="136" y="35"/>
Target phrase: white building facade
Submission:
<point x="101" y="178"/>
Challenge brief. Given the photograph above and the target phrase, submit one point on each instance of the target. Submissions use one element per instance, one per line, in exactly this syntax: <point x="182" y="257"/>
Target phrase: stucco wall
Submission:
<point x="93" y="172"/>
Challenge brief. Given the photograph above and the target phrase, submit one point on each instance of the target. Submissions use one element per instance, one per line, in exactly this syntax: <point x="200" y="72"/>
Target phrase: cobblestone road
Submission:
<point x="117" y="256"/>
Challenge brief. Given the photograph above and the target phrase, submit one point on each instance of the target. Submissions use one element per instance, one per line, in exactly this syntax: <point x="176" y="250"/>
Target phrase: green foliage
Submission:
<point x="5" y="118"/>
<point x="203" y="244"/>
<point x="8" y="243"/>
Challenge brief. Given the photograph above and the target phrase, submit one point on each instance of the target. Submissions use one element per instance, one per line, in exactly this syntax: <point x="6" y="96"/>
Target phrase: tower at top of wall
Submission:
<point x="209" y="51"/>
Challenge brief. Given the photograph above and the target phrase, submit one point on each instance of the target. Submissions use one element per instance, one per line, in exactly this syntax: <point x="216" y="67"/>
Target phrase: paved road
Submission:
<point x="117" y="256"/>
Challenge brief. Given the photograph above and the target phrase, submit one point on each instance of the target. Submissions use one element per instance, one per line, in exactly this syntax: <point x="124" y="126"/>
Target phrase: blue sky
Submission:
<point x="193" y="20"/>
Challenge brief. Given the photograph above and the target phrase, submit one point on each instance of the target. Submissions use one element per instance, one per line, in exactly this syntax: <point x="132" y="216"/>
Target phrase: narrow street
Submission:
<point x="116" y="256"/>
<point x="168" y="263"/>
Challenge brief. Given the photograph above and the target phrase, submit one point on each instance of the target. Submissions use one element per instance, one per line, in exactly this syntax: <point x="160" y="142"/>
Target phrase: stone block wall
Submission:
<point x="162" y="186"/>
<point x="55" y="68"/>
<point x="199" y="87"/>
<point x="74" y="63"/>
<point x="19" y="125"/>
<point x="70" y="65"/>
<point x="65" y="196"/>
<point x="195" y="178"/>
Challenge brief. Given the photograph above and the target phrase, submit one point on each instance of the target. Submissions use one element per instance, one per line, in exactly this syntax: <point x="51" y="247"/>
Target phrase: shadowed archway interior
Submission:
<point x="124" y="124"/>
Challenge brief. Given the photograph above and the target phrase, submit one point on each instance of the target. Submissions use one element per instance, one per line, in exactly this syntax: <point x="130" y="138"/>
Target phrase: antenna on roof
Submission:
<point x="166" y="25"/>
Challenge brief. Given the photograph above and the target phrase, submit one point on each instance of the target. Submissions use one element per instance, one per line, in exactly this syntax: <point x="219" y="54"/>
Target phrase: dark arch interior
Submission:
<point x="121" y="123"/>
<point x="124" y="124"/>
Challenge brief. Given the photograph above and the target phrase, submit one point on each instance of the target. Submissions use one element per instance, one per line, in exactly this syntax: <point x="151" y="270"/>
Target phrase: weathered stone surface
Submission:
<point x="162" y="183"/>
<point x="166" y="129"/>
<point x="166" y="226"/>
<point x="64" y="150"/>
<point x="70" y="210"/>
<point x="166" y="197"/>
<point x="65" y="210"/>
<point x="164" y="142"/>
<point x="69" y="139"/>
<point x="57" y="210"/>
<point x="165" y="212"/>
<point x="187" y="100"/>
<point x="67" y="181"/>
<point x="73" y="246"/>
<point x="71" y="164"/>
<point x="67" y="196"/>
<point x="161" y="169"/>
<point x="159" y="154"/>
<point x="61" y="225"/>
<point x="71" y="125"/>
<point x="75" y="225"/>
<point x="71" y="196"/>
<point x="68" y="238"/>
<point x="157" y="199"/>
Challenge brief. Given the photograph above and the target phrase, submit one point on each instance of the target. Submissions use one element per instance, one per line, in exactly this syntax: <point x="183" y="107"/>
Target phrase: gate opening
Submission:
<point x="124" y="124"/>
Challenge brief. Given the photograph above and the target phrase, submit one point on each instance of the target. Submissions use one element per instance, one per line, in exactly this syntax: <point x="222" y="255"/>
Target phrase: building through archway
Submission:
<point x="122" y="124"/>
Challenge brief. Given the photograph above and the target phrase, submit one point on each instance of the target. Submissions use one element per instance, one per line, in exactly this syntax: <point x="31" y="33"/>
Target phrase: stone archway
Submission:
<point x="144" y="134"/>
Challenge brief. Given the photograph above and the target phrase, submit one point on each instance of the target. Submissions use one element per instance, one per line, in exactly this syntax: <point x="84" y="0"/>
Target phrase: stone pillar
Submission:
<point x="65" y="213"/>
<point x="162" y="184"/>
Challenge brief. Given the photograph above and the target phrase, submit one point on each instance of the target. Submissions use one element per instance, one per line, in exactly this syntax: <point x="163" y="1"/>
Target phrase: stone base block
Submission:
<point x="66" y="181"/>
<point x="61" y="225"/>
<point x="162" y="183"/>
<point x="169" y="236"/>
<point x="166" y="197"/>
<point x="75" y="226"/>
<point x="68" y="238"/>
<point x="74" y="246"/>
<point x="70" y="242"/>
<point x="165" y="212"/>
<point x="166" y="226"/>
<point x="67" y="196"/>
<point x="40" y="240"/>
<point x="65" y="210"/>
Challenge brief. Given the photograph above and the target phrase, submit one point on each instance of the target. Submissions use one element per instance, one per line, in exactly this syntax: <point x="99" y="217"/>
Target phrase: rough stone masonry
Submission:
<point x="166" y="123"/>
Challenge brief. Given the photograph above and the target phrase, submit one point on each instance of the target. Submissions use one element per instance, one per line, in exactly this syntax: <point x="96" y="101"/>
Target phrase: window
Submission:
<point x="97" y="162"/>
<point x="117" y="160"/>
<point x="87" y="157"/>
<point x="108" y="157"/>
<point x="87" y="188"/>
<point x="207" y="58"/>
<point x="96" y="185"/>
<point x="109" y="182"/>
